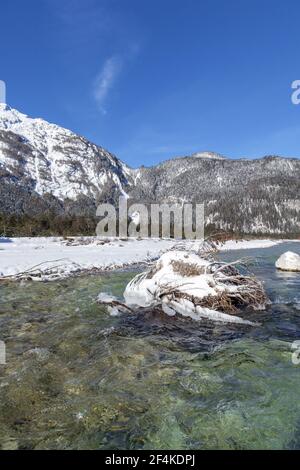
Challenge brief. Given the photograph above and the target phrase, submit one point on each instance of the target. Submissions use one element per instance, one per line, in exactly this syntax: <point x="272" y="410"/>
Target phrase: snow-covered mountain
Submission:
<point x="246" y="195"/>
<point x="46" y="159"/>
<point x="45" y="168"/>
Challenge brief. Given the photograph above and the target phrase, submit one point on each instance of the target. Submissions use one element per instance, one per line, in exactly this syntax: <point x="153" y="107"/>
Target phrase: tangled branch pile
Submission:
<point x="189" y="281"/>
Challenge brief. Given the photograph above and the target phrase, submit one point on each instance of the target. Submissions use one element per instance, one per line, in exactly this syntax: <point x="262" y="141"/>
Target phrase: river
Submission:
<point x="78" y="378"/>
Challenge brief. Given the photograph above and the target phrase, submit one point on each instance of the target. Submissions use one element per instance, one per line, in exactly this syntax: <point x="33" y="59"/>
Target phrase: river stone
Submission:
<point x="289" y="261"/>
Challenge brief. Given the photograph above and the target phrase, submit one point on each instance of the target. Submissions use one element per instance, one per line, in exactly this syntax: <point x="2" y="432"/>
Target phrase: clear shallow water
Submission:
<point x="77" y="378"/>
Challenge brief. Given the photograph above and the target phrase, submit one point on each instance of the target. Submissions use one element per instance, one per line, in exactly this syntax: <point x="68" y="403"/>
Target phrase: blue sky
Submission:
<point x="152" y="79"/>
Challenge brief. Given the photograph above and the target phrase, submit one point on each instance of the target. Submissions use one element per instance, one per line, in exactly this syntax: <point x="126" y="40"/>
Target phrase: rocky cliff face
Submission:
<point x="44" y="167"/>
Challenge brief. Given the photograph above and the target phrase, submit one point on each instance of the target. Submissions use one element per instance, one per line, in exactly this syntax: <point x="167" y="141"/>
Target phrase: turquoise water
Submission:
<point x="77" y="378"/>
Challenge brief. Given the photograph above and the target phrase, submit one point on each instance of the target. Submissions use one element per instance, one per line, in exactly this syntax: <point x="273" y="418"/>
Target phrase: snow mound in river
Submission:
<point x="289" y="261"/>
<point x="193" y="284"/>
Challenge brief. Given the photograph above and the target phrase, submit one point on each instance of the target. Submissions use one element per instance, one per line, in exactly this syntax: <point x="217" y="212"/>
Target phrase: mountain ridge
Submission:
<point x="47" y="168"/>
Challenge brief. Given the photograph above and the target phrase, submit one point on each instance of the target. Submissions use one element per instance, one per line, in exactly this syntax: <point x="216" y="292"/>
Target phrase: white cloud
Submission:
<point x="106" y="80"/>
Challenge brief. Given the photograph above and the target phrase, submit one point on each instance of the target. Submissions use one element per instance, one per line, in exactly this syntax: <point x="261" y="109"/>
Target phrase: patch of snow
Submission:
<point x="53" y="258"/>
<point x="105" y="298"/>
<point x="249" y="244"/>
<point x="210" y="155"/>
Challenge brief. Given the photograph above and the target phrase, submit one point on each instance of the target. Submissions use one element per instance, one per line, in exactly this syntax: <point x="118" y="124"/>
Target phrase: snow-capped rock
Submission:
<point x="289" y="261"/>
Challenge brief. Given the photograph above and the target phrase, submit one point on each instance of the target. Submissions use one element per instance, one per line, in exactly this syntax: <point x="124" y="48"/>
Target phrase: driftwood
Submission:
<point x="34" y="271"/>
<point x="249" y="292"/>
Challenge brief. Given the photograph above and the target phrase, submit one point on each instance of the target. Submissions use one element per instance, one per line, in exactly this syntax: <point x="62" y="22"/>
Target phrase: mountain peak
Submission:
<point x="4" y="107"/>
<point x="10" y="116"/>
<point x="55" y="160"/>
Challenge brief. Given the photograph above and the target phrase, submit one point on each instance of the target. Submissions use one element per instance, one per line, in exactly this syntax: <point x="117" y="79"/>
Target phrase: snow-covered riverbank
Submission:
<point x="55" y="257"/>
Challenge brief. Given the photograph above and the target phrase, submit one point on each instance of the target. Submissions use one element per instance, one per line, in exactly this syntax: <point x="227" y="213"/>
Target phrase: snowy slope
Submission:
<point x="54" y="159"/>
